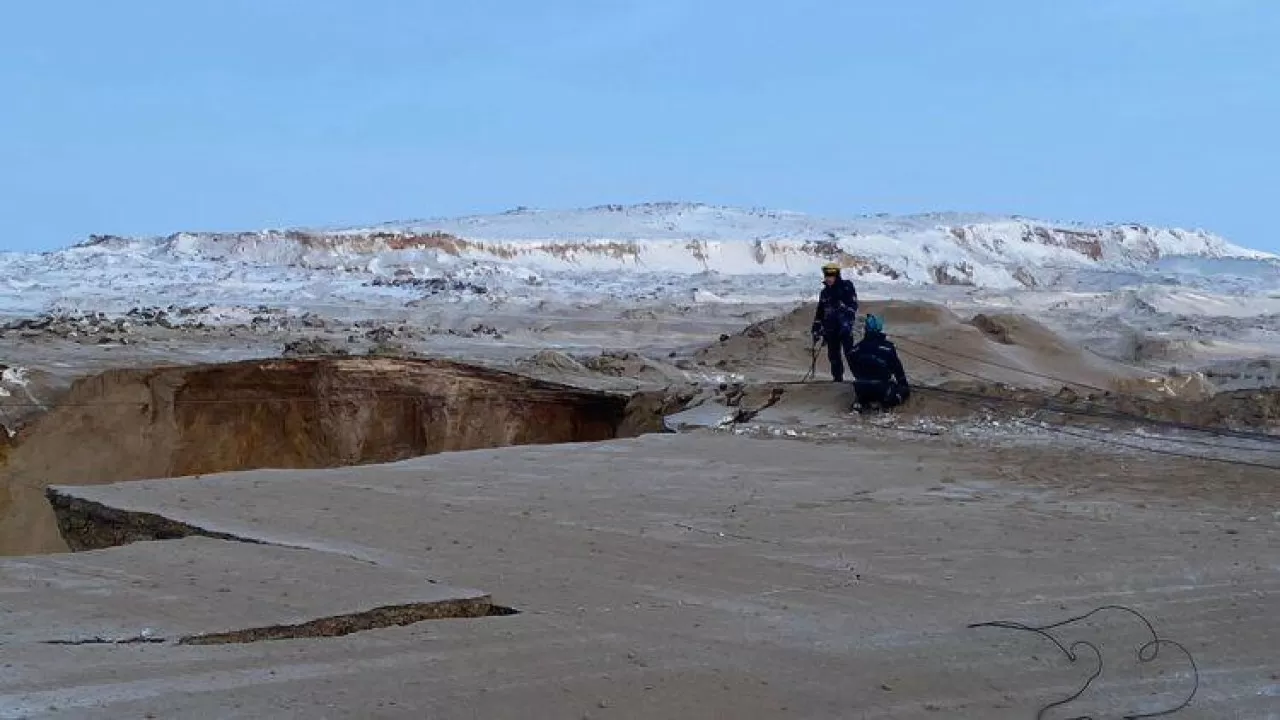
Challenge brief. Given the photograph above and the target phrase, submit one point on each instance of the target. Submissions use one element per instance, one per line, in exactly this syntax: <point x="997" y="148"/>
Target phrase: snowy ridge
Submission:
<point x="612" y="248"/>
<point x="688" y="238"/>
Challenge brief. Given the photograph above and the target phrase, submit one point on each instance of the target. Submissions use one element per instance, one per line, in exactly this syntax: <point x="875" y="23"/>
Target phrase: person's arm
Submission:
<point x="851" y="296"/>
<point x="895" y="364"/>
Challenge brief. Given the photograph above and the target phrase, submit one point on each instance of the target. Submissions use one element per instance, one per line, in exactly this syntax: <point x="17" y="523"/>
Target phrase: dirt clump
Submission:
<point x="626" y="364"/>
<point x="1013" y="329"/>
<point x="1155" y="349"/>
<point x="292" y="413"/>
<point x="554" y="361"/>
<point x="306" y="347"/>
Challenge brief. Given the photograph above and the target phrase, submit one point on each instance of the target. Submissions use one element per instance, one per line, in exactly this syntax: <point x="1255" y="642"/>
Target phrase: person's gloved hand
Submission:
<point x="816" y="331"/>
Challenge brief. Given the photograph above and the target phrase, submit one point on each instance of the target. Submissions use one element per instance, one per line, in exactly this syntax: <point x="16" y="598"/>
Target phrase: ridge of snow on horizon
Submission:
<point x="615" y="248"/>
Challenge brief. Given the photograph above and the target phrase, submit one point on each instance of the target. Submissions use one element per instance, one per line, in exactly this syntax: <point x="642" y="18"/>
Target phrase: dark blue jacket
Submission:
<point x="875" y="358"/>
<point x="837" y="307"/>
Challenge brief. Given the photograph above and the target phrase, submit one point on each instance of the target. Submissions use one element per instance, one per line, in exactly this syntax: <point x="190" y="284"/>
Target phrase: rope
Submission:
<point x="813" y="360"/>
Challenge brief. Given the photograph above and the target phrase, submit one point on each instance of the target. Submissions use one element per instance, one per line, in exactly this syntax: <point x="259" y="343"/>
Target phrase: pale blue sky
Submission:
<point x="146" y="117"/>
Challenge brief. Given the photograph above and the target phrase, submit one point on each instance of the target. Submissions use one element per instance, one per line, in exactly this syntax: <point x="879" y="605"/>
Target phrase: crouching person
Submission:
<point x="879" y="378"/>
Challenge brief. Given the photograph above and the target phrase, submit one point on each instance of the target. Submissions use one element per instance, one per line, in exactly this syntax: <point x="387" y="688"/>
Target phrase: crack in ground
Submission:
<point x="88" y="525"/>
<point x="326" y="627"/>
<point x="99" y="640"/>
<point x="339" y="625"/>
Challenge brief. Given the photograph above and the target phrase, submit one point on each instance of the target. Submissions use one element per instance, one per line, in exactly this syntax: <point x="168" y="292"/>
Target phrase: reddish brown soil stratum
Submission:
<point x="304" y="413"/>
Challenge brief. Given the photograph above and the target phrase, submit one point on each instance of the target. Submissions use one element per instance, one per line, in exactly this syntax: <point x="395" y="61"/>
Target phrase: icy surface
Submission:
<point x="675" y="252"/>
<point x="12" y="378"/>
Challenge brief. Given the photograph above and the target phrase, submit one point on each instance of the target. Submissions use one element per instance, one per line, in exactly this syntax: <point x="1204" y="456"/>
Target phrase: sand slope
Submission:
<point x="936" y="346"/>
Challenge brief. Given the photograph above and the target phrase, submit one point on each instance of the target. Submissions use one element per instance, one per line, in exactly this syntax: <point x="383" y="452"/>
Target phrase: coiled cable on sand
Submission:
<point x="1147" y="652"/>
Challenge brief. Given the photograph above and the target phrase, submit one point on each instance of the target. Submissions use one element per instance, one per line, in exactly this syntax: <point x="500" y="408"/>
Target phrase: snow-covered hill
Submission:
<point x="631" y="249"/>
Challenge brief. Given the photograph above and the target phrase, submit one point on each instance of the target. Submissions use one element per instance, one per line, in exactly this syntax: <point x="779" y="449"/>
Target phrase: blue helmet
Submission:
<point x="874" y="324"/>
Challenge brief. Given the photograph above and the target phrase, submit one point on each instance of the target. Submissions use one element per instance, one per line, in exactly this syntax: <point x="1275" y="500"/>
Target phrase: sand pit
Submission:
<point x="936" y="345"/>
<point x="182" y="421"/>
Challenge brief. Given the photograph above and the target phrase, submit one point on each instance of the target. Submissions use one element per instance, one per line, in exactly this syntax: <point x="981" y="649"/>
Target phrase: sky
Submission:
<point x="146" y="117"/>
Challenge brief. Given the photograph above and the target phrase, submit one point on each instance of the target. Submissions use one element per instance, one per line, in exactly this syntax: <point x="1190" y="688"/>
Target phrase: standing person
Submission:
<point x="833" y="321"/>
<point x="878" y="376"/>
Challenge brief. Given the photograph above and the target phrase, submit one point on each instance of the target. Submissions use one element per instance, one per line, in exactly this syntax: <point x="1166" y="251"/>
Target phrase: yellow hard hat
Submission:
<point x="830" y="269"/>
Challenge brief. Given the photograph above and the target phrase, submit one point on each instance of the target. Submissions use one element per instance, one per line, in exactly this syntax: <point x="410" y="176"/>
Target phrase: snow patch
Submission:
<point x="679" y="252"/>
<point x="12" y="378"/>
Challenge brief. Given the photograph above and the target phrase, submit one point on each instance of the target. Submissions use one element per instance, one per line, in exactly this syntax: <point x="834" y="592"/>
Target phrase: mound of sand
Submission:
<point x="1020" y="330"/>
<point x="626" y="364"/>
<point x="936" y="347"/>
<point x="313" y="346"/>
<point x="612" y="370"/>
<point x="1163" y="349"/>
<point x="553" y="361"/>
<point x="302" y="413"/>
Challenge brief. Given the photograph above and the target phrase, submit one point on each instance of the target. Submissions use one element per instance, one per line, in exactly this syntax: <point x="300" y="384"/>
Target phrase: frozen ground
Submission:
<point x="715" y="572"/>
<point x="655" y="279"/>
<point x="669" y="576"/>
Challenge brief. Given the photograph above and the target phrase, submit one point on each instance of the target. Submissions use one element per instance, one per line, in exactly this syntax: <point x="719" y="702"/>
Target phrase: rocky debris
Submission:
<point x="429" y="285"/>
<point x="390" y="349"/>
<point x="312" y="347"/>
<point x="103" y="328"/>
<point x="553" y="361"/>
<point x="92" y="327"/>
<point x="380" y="334"/>
<point x="41" y="323"/>
<point x="1244" y="374"/>
<point x="312" y="320"/>
<point x="481" y="329"/>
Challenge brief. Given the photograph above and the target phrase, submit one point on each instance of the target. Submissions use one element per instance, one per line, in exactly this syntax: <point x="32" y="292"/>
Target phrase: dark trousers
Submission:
<point x="839" y="347"/>
<point x="884" y="393"/>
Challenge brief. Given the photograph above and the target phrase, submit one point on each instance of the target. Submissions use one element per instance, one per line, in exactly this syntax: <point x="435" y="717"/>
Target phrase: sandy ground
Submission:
<point x="700" y="576"/>
<point x="1028" y="332"/>
<point x="795" y="561"/>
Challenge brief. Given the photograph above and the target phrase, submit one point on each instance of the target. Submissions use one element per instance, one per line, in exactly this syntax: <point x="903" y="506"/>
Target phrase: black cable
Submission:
<point x="1024" y="371"/>
<point x="1086" y="413"/>
<point x="1108" y="414"/>
<point x="1159" y="451"/>
<point x="813" y="361"/>
<point x="1155" y="421"/>
<point x="1067" y="411"/>
<point x="1104" y="414"/>
<point x="1147" y="652"/>
<point x="1118" y="443"/>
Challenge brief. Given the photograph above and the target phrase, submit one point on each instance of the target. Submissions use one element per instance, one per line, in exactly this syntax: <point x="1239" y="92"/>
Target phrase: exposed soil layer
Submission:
<point x="291" y="413"/>
<point x="86" y="525"/>
<point x="339" y="625"/>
